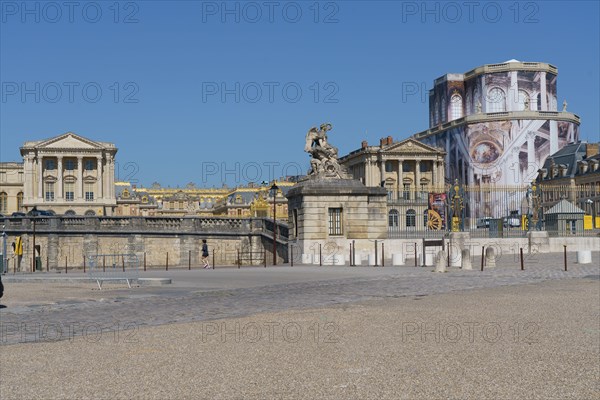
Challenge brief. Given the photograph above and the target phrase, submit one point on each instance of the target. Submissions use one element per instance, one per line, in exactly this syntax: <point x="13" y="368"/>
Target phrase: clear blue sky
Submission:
<point x="161" y="67"/>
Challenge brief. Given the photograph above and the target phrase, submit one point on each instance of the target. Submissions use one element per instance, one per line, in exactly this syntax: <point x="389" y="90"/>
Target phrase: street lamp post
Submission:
<point x="4" y="255"/>
<point x="593" y="205"/>
<point x="274" y="189"/>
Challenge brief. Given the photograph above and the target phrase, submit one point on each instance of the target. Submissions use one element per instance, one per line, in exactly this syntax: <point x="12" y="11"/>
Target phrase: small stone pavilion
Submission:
<point x="328" y="209"/>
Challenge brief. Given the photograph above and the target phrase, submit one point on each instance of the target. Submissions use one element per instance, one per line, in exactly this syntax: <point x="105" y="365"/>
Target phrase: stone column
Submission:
<point x="447" y="155"/>
<point x="434" y="169"/>
<point x="513" y="92"/>
<point x="381" y="171"/>
<point x="400" y="182"/>
<point x="59" y="194"/>
<point x="418" y="179"/>
<point x="40" y="176"/>
<point x="27" y="184"/>
<point x="531" y="151"/>
<point x="79" y="177"/>
<point x="553" y="136"/>
<point x="100" y="177"/>
<point x="543" y="91"/>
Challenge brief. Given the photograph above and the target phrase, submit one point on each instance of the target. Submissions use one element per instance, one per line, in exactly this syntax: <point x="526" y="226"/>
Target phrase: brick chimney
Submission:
<point x="390" y="140"/>
<point x="591" y="149"/>
<point x="382" y="142"/>
<point x="364" y="144"/>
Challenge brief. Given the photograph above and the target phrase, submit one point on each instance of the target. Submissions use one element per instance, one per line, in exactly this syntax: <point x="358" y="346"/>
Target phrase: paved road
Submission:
<point x="213" y="294"/>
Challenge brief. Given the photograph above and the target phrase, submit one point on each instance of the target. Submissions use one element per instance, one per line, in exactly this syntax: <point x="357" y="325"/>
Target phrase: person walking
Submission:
<point x="205" y="254"/>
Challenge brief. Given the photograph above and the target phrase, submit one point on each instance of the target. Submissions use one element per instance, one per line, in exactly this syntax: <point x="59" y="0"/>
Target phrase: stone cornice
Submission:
<point x="500" y="116"/>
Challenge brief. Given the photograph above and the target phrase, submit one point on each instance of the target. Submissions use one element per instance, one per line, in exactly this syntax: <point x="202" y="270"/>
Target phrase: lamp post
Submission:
<point x="4" y="255"/>
<point x="274" y="189"/>
<point x="593" y="206"/>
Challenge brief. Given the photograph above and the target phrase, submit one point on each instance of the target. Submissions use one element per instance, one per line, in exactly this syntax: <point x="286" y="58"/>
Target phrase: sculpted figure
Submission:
<point x="324" y="157"/>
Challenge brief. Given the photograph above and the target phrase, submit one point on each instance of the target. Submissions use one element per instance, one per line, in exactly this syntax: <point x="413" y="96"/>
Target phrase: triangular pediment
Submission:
<point x="69" y="141"/>
<point x="411" y="145"/>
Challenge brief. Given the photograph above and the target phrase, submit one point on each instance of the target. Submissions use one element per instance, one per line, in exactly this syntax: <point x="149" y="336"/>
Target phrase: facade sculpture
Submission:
<point x="324" y="157"/>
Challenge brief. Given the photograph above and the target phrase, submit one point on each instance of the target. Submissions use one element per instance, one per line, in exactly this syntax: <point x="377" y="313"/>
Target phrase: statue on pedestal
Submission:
<point x="534" y="209"/>
<point x="456" y="196"/>
<point x="324" y="157"/>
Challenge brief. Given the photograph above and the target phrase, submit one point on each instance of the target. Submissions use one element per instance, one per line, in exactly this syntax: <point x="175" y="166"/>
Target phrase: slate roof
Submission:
<point x="565" y="207"/>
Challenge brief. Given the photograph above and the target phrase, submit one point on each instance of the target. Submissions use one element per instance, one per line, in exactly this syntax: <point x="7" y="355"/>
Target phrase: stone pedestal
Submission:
<point x="315" y="203"/>
<point x="440" y="261"/>
<point x="538" y="242"/>
<point x="466" y="260"/>
<point x="457" y="242"/>
<point x="490" y="257"/>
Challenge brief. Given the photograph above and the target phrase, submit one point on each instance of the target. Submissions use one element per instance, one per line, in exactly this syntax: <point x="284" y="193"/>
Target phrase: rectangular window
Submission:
<point x="335" y="221"/>
<point x="3" y="202"/>
<point x="89" y="191"/>
<point x="2" y="176"/>
<point x="50" y="164"/>
<point x="69" y="165"/>
<point x="69" y="191"/>
<point x="21" y="177"/>
<point x="89" y="165"/>
<point x="49" y="192"/>
<point x="406" y="193"/>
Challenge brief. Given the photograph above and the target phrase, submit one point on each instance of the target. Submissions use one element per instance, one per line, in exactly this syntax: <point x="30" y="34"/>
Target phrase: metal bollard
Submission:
<point x="144" y="261"/>
<point x="167" y="263"/>
<point x="189" y="260"/>
<point x="320" y="256"/>
<point x="123" y="263"/>
<point x="382" y="255"/>
<point x="291" y="255"/>
<point x="66" y="262"/>
<point x="565" y="256"/>
<point x="84" y="264"/>
<point x="416" y="254"/>
<point x="522" y="265"/>
<point x="482" y="257"/>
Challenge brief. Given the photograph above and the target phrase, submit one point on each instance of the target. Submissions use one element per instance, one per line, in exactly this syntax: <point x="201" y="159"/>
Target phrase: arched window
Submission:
<point x="496" y="100"/>
<point x="411" y="218"/>
<point x="444" y="111"/>
<point x="70" y="213"/>
<point x="523" y="102"/>
<point x="393" y="219"/>
<point x="90" y="213"/>
<point x="3" y="202"/>
<point x="20" y="201"/>
<point x="456" y="107"/>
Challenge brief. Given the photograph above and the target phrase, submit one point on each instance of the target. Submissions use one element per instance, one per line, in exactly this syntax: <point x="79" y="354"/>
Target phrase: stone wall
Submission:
<point x="68" y="240"/>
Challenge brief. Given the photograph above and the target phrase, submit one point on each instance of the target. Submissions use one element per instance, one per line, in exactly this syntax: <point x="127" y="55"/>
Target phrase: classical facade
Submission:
<point x="11" y="187"/>
<point x="69" y="174"/>
<point x="409" y="171"/>
<point x="498" y="123"/>
<point x="573" y="174"/>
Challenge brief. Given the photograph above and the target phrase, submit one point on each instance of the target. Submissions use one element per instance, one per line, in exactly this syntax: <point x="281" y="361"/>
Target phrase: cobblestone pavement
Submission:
<point x="225" y="295"/>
